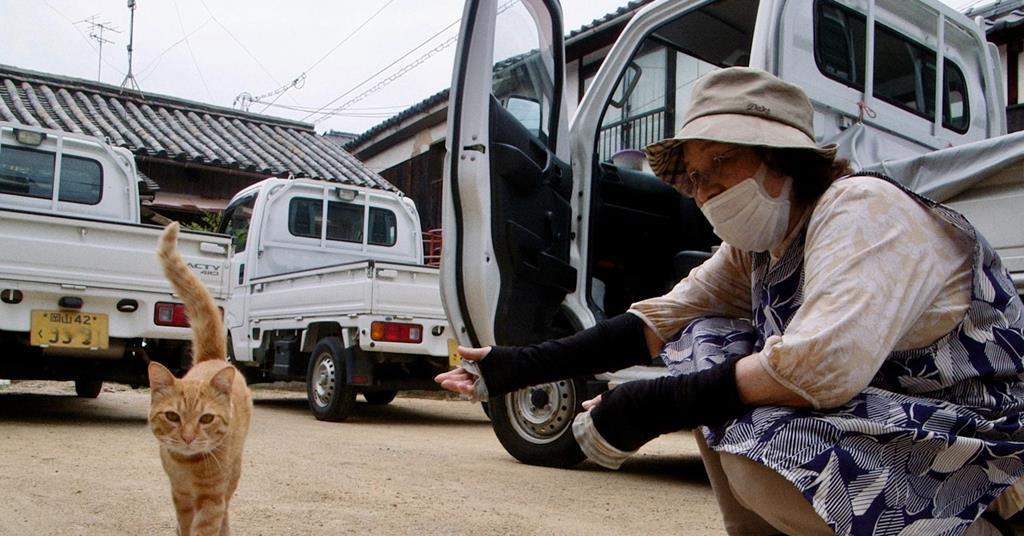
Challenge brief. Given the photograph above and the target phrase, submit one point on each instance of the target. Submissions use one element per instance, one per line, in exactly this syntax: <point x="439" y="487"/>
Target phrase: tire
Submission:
<point x="379" y="398"/>
<point x="330" y="396"/>
<point x="535" y="424"/>
<point x="88" y="388"/>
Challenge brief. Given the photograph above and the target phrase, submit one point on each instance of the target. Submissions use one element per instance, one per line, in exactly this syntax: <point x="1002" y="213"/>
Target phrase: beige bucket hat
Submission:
<point x="744" y="106"/>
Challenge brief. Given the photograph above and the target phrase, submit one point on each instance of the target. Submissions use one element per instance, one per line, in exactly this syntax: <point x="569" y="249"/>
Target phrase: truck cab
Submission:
<point x="545" y="233"/>
<point x="93" y="179"/>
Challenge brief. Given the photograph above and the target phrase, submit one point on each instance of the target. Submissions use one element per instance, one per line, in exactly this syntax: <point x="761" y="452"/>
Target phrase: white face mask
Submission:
<point x="746" y="217"/>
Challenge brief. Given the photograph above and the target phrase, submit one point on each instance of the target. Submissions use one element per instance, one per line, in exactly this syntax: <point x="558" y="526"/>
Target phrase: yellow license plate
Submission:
<point x="69" y="329"/>
<point x="454" y="359"/>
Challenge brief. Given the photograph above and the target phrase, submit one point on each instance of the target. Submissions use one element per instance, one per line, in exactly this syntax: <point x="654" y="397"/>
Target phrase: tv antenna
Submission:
<point x="96" y="30"/>
<point x="129" y="79"/>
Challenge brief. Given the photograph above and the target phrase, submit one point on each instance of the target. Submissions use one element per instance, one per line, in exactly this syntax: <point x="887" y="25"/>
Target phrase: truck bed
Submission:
<point x="365" y="287"/>
<point x="354" y="295"/>
<point x="48" y="257"/>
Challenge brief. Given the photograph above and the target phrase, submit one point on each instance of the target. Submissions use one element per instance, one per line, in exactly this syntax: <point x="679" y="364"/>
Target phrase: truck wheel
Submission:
<point x="379" y="398"/>
<point x="535" y="424"/>
<point x="88" y="388"/>
<point x="327" y="390"/>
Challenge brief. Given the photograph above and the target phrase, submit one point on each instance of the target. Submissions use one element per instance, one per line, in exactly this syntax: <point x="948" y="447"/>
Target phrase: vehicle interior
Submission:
<point x="645" y="236"/>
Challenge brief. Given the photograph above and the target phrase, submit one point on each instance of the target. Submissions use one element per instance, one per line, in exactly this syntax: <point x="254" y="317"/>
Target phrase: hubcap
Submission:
<point x="542" y="413"/>
<point x="324" y="380"/>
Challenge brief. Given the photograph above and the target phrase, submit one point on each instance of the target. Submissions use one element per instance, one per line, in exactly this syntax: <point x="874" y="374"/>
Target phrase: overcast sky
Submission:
<point x="214" y="51"/>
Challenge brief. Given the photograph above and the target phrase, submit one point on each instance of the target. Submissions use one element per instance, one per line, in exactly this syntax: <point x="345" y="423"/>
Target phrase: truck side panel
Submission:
<point x="49" y="257"/>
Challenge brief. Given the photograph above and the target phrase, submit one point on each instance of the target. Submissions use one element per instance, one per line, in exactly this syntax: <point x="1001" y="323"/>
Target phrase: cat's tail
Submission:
<point x="208" y="335"/>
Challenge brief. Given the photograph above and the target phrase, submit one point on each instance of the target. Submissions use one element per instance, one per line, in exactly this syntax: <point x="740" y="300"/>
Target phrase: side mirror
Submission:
<point x="628" y="84"/>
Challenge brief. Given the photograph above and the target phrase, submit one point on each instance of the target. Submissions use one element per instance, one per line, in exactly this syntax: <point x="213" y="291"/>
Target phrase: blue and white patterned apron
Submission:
<point x="936" y="436"/>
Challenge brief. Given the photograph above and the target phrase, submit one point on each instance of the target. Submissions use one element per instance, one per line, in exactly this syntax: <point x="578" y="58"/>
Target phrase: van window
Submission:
<point x="236" y="221"/>
<point x="26" y="172"/>
<point x="344" y="220"/>
<point x="383" y="227"/>
<point x="29" y="173"/>
<point x="904" y="70"/>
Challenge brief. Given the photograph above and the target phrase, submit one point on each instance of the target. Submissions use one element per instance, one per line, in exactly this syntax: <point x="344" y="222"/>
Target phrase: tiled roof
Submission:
<point x="631" y="6"/>
<point x="177" y="129"/>
<point x="999" y="15"/>
<point x="415" y="109"/>
<point x="442" y="96"/>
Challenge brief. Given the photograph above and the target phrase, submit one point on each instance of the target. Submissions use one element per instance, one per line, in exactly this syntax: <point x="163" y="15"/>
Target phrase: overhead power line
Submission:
<point x="398" y="74"/>
<point x="285" y="88"/>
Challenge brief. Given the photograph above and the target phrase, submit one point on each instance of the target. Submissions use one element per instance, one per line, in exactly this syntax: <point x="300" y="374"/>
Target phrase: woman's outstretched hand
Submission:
<point x="460" y="380"/>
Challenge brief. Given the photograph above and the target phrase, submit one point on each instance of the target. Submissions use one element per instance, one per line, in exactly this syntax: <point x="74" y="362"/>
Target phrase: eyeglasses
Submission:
<point x="695" y="178"/>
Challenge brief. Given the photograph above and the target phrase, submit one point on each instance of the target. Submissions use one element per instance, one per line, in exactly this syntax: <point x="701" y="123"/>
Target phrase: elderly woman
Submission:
<point x="853" y="351"/>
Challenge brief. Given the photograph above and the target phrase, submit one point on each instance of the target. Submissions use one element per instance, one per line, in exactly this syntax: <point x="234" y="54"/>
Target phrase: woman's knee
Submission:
<point x="771" y="496"/>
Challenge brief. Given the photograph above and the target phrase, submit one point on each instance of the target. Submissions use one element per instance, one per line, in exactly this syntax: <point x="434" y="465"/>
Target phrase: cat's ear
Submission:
<point x="222" y="380"/>
<point x="159" y="377"/>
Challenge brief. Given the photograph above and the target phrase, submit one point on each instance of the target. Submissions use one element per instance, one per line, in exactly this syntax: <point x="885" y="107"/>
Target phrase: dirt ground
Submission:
<point x="417" y="466"/>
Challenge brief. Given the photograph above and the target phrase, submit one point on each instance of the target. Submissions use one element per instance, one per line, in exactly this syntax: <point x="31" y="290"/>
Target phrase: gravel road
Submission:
<point x="420" y="465"/>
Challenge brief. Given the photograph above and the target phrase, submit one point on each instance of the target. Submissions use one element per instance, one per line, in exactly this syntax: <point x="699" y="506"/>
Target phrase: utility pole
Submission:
<point x="96" y="30"/>
<point x="129" y="79"/>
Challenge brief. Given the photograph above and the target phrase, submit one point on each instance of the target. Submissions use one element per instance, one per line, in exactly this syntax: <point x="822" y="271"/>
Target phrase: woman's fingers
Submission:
<point x="457" y="381"/>
<point x="589" y="404"/>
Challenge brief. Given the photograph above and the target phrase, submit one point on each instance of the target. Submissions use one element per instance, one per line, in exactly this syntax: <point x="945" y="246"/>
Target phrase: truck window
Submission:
<point x="344" y="221"/>
<point x="29" y="173"/>
<point x="524" y="69"/>
<point x="383" y="227"/>
<point x="305" y="217"/>
<point x="237" y="218"/>
<point x="81" y="180"/>
<point x="904" y="70"/>
<point x="26" y="172"/>
<point x="650" y="100"/>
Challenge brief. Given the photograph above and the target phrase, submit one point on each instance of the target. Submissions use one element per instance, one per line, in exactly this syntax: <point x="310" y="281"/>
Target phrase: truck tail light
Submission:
<point x="170" y="314"/>
<point x="396" y="332"/>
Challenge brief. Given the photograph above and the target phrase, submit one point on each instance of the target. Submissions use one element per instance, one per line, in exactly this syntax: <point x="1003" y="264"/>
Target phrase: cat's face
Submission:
<point x="190" y="417"/>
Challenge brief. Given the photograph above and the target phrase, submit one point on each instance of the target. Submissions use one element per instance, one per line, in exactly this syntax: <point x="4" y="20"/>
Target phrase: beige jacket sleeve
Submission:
<point x="881" y="273"/>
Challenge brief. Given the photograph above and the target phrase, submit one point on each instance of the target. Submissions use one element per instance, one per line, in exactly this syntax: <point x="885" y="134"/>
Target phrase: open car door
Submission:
<point x="507" y="210"/>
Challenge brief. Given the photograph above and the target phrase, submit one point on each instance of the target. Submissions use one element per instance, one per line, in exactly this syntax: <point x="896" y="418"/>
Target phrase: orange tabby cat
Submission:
<point x="202" y="419"/>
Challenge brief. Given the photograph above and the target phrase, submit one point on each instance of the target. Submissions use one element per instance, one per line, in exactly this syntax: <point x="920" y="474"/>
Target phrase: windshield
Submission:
<point x="236" y="221"/>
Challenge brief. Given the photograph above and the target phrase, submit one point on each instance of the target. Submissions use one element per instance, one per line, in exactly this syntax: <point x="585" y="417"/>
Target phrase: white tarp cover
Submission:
<point x="940" y="174"/>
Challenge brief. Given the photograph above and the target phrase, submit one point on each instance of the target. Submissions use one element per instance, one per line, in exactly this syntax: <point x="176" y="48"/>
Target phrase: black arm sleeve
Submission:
<point x="612" y="344"/>
<point x="636" y="412"/>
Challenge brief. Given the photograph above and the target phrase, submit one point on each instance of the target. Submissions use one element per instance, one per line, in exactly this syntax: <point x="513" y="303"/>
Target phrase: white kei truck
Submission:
<point x="319" y="282"/>
<point x="328" y="286"/>
<point x="82" y="296"/>
<point x="544" y="234"/>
